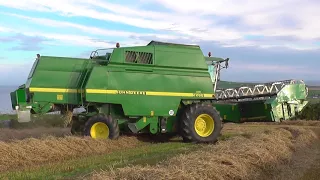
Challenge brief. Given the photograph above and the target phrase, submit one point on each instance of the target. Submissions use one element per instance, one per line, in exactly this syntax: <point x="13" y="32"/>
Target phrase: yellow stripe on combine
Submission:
<point x="147" y="93"/>
<point x="177" y="94"/>
<point x="101" y="91"/>
<point x="124" y="92"/>
<point x="54" y="90"/>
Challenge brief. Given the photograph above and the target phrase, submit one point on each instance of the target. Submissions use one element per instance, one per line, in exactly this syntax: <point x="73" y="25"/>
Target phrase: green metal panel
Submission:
<point x="292" y="92"/>
<point x="254" y="110"/>
<point x="56" y="79"/>
<point x="17" y="97"/>
<point x="134" y="74"/>
<point x="98" y="79"/>
<point x="229" y="112"/>
<point x="21" y="95"/>
<point x="134" y="78"/>
<point x="116" y="56"/>
<point x="244" y="111"/>
<point x="180" y="57"/>
<point x="288" y="102"/>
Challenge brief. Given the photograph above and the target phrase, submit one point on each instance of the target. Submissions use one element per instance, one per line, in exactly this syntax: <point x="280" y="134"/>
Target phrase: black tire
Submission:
<point x="114" y="131"/>
<point x="188" y="118"/>
<point x="76" y="127"/>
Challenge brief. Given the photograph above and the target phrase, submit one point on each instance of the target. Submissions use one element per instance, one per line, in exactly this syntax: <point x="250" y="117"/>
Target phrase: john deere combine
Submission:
<point x="160" y="88"/>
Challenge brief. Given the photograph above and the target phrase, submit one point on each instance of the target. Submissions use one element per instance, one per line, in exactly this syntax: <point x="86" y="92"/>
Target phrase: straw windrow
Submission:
<point x="248" y="157"/>
<point x="31" y="151"/>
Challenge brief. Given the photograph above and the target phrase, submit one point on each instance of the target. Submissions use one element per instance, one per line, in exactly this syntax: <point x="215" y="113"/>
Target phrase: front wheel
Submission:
<point x="200" y="123"/>
<point x="102" y="127"/>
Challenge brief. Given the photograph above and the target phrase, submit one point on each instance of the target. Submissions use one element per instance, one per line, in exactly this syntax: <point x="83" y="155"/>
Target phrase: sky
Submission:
<point x="265" y="40"/>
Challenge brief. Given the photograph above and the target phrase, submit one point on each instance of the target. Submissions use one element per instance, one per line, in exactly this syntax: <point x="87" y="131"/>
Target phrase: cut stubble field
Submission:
<point x="244" y="151"/>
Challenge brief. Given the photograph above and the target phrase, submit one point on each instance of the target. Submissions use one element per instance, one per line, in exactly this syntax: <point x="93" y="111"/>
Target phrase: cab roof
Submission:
<point x="170" y="44"/>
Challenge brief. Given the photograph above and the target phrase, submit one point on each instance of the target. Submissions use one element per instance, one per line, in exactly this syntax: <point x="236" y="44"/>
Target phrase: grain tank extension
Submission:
<point x="160" y="88"/>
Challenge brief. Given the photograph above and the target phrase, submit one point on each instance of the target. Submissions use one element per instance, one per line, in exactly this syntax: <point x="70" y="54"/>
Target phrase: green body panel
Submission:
<point x="243" y="111"/>
<point x="187" y="66"/>
<point x="228" y="111"/>
<point x="57" y="73"/>
<point x="254" y="110"/>
<point x="42" y="107"/>
<point x="156" y="81"/>
<point x="289" y="102"/>
<point x="17" y="97"/>
<point x="180" y="57"/>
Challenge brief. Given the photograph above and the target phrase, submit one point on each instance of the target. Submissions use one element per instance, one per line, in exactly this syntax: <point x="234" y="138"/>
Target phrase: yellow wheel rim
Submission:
<point x="99" y="130"/>
<point x="204" y="125"/>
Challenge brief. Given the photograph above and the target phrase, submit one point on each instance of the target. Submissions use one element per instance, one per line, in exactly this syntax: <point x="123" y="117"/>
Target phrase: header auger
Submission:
<point x="160" y="88"/>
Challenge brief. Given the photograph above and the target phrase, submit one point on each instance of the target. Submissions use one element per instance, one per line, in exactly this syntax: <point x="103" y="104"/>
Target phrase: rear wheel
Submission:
<point x="200" y="123"/>
<point x="102" y="127"/>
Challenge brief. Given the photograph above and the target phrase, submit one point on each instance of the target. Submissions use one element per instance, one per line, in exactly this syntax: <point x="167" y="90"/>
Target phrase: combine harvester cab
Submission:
<point x="274" y="101"/>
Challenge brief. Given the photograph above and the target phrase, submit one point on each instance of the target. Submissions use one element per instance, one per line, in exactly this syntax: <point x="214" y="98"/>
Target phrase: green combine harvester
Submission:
<point x="161" y="89"/>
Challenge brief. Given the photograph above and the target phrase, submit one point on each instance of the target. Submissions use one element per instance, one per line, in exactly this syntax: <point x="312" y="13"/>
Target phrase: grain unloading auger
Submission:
<point x="161" y="88"/>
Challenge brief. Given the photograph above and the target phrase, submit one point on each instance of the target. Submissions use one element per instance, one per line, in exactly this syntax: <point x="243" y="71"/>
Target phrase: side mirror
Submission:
<point x="227" y="63"/>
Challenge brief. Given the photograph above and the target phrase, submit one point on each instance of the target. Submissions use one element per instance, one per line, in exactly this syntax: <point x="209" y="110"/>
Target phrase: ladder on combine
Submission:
<point x="259" y="91"/>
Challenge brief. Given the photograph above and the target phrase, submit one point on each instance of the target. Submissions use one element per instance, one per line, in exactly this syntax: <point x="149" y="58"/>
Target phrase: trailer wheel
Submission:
<point x="200" y="123"/>
<point x="102" y="127"/>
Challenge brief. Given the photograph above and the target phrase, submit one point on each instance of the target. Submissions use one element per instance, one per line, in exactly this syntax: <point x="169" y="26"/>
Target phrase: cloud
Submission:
<point x="11" y="69"/>
<point x="274" y="68"/>
<point x="30" y="40"/>
<point x="272" y="18"/>
<point x="87" y="29"/>
<point x="182" y="25"/>
<point x="84" y="54"/>
<point x="26" y="43"/>
<point x="4" y="29"/>
<point x="225" y="22"/>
